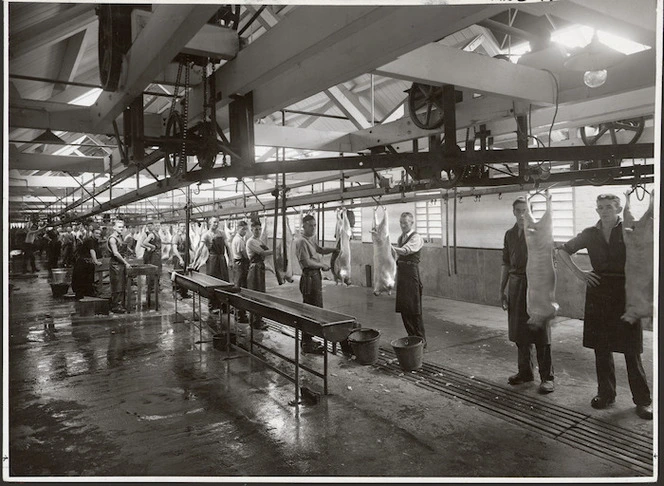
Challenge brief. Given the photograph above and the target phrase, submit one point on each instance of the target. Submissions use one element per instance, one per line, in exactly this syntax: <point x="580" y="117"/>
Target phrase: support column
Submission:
<point x="241" y="121"/>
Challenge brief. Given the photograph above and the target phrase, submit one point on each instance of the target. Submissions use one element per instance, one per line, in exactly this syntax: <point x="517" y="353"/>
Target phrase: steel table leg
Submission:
<point x="325" y="367"/>
<point x="297" y="365"/>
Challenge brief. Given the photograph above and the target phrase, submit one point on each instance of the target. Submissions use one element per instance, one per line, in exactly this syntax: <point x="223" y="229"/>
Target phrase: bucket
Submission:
<point x="61" y="276"/>
<point x="365" y="343"/>
<point x="59" y="289"/>
<point x="409" y="352"/>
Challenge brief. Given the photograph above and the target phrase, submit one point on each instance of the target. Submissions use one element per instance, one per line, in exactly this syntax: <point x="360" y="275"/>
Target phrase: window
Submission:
<point x="562" y="205"/>
<point x="428" y="215"/>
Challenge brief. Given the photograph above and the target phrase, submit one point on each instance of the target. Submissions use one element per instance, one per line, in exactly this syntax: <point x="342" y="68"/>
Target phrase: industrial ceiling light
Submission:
<point x="593" y="60"/>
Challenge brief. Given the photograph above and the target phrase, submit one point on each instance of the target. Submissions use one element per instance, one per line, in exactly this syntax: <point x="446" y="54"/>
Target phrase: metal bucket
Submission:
<point x="409" y="352"/>
<point x="365" y="344"/>
<point x="61" y="276"/>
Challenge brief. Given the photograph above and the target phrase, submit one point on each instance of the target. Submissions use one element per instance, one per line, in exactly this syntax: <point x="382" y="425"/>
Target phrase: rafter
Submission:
<point x="71" y="60"/>
<point x="52" y="30"/>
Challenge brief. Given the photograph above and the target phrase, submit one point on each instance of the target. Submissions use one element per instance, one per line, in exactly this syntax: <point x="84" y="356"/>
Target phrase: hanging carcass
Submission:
<point x="638" y="237"/>
<point x="340" y="261"/>
<point x="274" y="239"/>
<point x="384" y="263"/>
<point x="540" y="271"/>
<point x="166" y="242"/>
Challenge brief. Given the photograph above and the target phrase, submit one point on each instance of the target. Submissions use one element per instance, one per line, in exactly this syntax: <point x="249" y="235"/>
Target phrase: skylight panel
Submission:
<point x="87" y="99"/>
<point x="576" y="36"/>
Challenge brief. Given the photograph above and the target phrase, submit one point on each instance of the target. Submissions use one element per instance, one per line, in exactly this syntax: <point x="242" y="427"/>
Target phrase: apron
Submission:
<point x="518" y="330"/>
<point x="602" y="327"/>
<point x="256" y="274"/>
<point x="241" y="273"/>
<point x="311" y="286"/>
<point x="216" y="262"/>
<point x="153" y="257"/>
<point x="409" y="286"/>
<point x="117" y="273"/>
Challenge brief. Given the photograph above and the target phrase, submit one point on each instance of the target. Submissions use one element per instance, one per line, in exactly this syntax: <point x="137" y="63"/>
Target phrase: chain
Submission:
<point x="185" y="119"/>
<point x="175" y="91"/>
<point x="205" y="95"/>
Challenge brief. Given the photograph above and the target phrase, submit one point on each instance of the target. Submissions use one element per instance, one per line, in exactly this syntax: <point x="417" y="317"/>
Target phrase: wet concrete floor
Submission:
<point x="137" y="396"/>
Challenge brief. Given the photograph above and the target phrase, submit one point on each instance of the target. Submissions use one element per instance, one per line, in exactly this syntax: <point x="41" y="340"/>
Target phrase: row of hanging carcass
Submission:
<point x="540" y="272"/>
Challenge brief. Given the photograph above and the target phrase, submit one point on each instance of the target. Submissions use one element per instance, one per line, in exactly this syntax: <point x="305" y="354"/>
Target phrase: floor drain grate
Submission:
<point x="617" y="444"/>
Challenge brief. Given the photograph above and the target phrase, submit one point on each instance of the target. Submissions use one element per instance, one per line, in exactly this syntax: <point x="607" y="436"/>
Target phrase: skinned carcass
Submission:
<point x="340" y="261"/>
<point x="139" y="240"/>
<point x="385" y="265"/>
<point x="283" y="270"/>
<point x="166" y="239"/>
<point x="638" y="237"/>
<point x="540" y="272"/>
<point x="196" y="235"/>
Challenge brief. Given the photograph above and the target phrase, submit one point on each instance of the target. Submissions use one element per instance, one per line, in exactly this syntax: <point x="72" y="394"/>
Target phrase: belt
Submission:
<point x="310" y="270"/>
<point x="241" y="260"/>
<point x="612" y="275"/>
<point x="407" y="262"/>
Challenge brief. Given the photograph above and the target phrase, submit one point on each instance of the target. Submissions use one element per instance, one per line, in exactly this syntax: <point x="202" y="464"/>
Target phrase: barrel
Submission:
<point x="61" y="276"/>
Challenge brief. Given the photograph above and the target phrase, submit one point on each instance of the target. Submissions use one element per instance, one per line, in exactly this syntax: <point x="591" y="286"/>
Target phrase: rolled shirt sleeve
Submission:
<point x="413" y="245"/>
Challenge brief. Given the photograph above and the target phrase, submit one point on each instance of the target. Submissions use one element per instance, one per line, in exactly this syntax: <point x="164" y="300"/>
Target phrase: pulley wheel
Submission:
<point x="207" y="150"/>
<point x="613" y="133"/>
<point x="173" y="154"/>
<point x="450" y="178"/>
<point x="114" y="39"/>
<point x="425" y="104"/>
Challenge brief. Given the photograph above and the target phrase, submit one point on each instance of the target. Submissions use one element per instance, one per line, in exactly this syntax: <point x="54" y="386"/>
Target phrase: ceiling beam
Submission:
<point x="52" y="30"/>
<point x="70" y="118"/>
<point x="169" y="29"/>
<point x="431" y="64"/>
<point x="350" y="105"/>
<point x="210" y="41"/>
<point x="293" y="137"/>
<point x="72" y="57"/>
<point x="307" y="30"/>
<point x="371" y="49"/>
<point x="21" y="161"/>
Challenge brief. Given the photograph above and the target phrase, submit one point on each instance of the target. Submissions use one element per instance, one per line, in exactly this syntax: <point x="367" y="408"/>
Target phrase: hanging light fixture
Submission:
<point x="594" y="60"/>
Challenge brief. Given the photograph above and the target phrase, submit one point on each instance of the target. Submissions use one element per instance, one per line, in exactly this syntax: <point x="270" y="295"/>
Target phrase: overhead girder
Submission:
<point x="427" y="159"/>
<point x="307" y="51"/>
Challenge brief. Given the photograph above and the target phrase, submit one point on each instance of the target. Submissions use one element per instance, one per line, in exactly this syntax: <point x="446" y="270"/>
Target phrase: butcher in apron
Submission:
<point x="117" y="267"/>
<point x="216" y="266"/>
<point x="256" y="251"/>
<point x="603" y="329"/>
<point x="409" y="285"/>
<point x="513" y="279"/>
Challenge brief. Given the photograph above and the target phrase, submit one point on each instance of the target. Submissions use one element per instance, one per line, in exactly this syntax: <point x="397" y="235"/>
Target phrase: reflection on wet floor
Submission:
<point x="138" y="395"/>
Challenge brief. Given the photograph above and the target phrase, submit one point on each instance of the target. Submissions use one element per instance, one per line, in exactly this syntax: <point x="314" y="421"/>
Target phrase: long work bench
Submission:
<point x="328" y="325"/>
<point x="201" y="285"/>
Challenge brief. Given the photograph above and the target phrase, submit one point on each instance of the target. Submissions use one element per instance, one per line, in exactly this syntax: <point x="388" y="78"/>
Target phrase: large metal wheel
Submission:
<point x="450" y="178"/>
<point x="425" y="104"/>
<point x="113" y="41"/>
<point x="173" y="152"/>
<point x="613" y="133"/>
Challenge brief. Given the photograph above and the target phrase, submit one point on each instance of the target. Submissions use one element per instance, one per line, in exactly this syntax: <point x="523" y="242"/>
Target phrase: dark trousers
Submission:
<point x="240" y="280"/>
<point x="544" y="363"/>
<point x="414" y="325"/>
<point x="117" y="277"/>
<point x="184" y="293"/>
<point x="311" y="287"/>
<point x="606" y="377"/>
<point x="29" y="256"/>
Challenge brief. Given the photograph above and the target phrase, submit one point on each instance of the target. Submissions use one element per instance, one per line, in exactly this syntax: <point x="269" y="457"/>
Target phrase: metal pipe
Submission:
<point x="284" y="223"/>
<point x="74" y="83"/>
<point x="454" y="231"/>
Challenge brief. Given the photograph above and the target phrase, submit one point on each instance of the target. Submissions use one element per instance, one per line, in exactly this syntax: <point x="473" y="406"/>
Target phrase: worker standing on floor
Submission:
<point x="513" y="290"/>
<point x="241" y="262"/>
<point x="603" y="329"/>
<point x="256" y="252"/>
<point x="218" y="246"/>
<point x="308" y="253"/>
<point x="29" y="248"/>
<point x="408" y="282"/>
<point x="87" y="258"/>
<point x="117" y="267"/>
<point x="53" y="250"/>
<point x="152" y="254"/>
